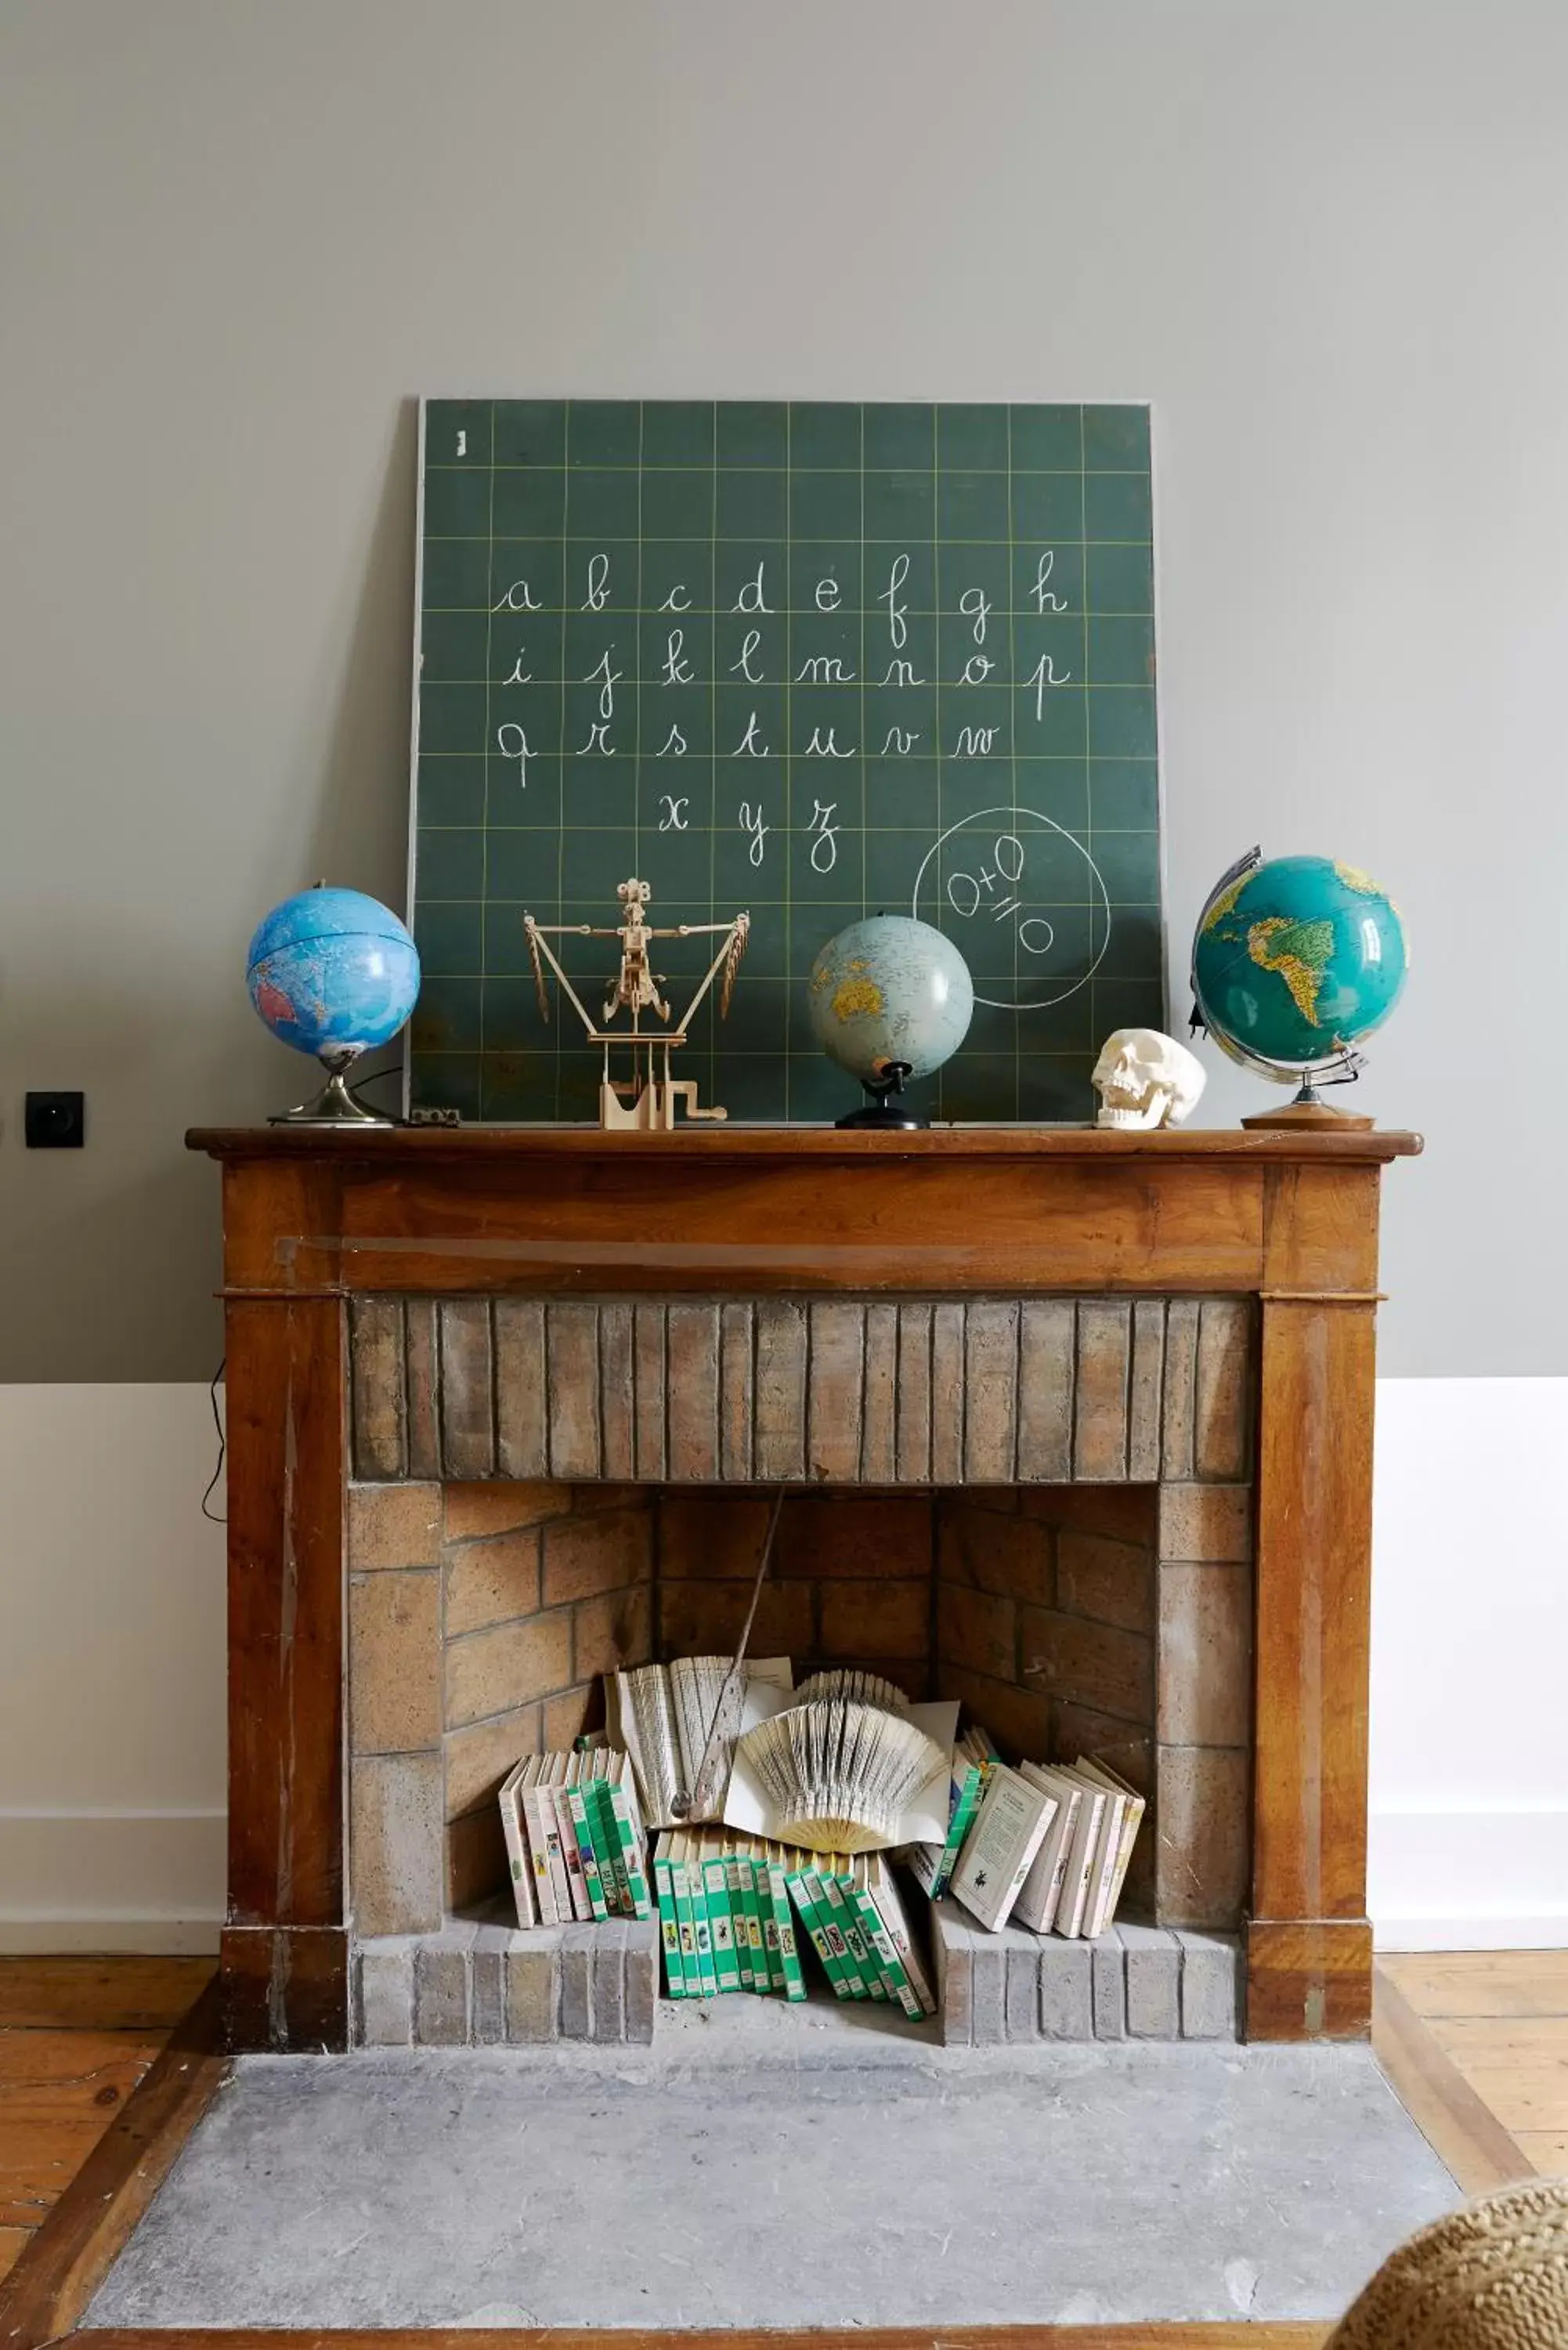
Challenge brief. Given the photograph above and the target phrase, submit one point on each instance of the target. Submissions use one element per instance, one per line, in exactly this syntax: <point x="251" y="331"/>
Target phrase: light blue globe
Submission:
<point x="890" y="989"/>
<point x="333" y="971"/>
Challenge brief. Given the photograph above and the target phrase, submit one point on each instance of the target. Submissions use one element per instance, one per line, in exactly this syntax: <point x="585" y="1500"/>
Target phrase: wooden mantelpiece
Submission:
<point x="313" y="1218"/>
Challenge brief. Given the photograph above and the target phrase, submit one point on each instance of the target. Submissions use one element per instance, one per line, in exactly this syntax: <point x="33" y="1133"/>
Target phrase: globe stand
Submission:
<point x="1308" y="1109"/>
<point x="878" y="1115"/>
<point x="336" y="1103"/>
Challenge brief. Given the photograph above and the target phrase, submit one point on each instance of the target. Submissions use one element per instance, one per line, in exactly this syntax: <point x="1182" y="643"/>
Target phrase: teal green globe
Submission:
<point x="1296" y="960"/>
<point x="890" y="989"/>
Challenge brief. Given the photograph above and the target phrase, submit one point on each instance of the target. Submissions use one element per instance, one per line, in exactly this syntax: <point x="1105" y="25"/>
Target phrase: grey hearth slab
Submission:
<point x="743" y="2175"/>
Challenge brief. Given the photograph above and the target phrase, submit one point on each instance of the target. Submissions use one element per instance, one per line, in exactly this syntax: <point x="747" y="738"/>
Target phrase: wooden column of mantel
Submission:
<point x="312" y="1217"/>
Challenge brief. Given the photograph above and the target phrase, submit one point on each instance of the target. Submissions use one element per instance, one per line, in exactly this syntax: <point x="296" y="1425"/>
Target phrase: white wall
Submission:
<point x="111" y="1740"/>
<point x="1470" y="1634"/>
<point x="112" y="1660"/>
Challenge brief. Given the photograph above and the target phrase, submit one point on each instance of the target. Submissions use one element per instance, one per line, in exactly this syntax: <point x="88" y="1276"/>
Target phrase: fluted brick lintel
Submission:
<point x="844" y="1391"/>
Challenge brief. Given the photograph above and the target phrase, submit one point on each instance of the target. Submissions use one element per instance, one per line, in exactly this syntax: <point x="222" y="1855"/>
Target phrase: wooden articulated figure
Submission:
<point x="649" y="1099"/>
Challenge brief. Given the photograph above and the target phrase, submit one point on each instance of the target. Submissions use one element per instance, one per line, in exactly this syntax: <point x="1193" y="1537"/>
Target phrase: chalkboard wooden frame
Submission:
<point x="813" y="658"/>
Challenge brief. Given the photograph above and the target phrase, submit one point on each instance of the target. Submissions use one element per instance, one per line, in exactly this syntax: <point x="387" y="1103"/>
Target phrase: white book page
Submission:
<point x="924" y="1818"/>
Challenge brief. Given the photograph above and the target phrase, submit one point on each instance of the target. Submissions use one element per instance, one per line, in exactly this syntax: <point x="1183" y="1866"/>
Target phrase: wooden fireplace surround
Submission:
<point x="311" y="1219"/>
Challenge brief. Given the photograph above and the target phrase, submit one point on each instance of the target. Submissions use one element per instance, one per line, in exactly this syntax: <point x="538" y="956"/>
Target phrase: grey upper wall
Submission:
<point x="1326" y="241"/>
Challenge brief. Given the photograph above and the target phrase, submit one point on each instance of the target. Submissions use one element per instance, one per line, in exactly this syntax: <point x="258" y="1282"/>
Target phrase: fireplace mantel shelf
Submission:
<point x="476" y="1143"/>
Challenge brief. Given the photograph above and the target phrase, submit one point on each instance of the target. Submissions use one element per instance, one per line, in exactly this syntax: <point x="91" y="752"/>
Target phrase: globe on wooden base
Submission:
<point x="1296" y="962"/>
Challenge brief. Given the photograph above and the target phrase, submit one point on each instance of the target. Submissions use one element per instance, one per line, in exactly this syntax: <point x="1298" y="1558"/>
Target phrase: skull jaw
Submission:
<point x="1130" y="1113"/>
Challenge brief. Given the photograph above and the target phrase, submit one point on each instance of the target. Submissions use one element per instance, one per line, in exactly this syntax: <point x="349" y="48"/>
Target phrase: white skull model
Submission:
<point x="1146" y="1079"/>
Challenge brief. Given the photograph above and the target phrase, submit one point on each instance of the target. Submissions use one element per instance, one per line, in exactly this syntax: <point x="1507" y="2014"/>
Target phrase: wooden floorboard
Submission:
<point x="111" y="1993"/>
<point x="1479" y="1983"/>
<point x="59" y="2091"/>
<point x="1461" y="2129"/>
<point x="56" y="2275"/>
<point x="1517" y="2066"/>
<point x="860" y="2337"/>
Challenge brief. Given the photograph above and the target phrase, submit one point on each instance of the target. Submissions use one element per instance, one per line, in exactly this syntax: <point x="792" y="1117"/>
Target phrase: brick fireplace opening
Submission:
<point x="1067" y="1619"/>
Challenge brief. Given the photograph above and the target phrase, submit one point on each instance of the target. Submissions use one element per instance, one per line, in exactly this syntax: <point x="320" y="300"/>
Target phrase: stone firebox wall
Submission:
<point x="1115" y="1619"/>
<point x="1038" y="1505"/>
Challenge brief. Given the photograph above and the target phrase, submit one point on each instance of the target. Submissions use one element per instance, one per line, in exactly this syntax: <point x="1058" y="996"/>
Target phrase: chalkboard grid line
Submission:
<point x="561" y="844"/>
<point x="489" y="738"/>
<point x="1088" y="734"/>
<point x="865" y="772"/>
<point x="788" y="711"/>
<point x="710" y="1057"/>
<point x="1012" y="729"/>
<point x="937" y="694"/>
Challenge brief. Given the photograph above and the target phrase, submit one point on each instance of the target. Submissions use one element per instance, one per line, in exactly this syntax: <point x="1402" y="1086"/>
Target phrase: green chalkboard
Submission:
<point x="810" y="659"/>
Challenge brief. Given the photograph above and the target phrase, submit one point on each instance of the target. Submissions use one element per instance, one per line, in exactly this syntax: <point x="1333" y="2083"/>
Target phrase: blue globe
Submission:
<point x="1295" y="960"/>
<point x="890" y="989"/>
<point x="332" y="971"/>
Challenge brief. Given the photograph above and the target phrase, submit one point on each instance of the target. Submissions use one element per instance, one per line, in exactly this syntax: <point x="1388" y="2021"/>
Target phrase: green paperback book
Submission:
<point x="669" y="1920"/>
<point x="624" y="1829"/>
<point x="735" y="1892"/>
<point x="756" y="1928"/>
<point x="829" y="1913"/>
<point x="699" y="1969"/>
<point x="798" y="1883"/>
<point x="840" y="1889"/>
<point x="715" y="1877"/>
<point x="689" y="1889"/>
<point x="608" y="1843"/>
<point x="783" y="1919"/>
<point x="579" y="1801"/>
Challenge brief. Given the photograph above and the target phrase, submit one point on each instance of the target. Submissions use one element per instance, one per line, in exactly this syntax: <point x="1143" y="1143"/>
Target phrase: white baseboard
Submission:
<point x="106" y="1880"/>
<point x="1469" y="1881"/>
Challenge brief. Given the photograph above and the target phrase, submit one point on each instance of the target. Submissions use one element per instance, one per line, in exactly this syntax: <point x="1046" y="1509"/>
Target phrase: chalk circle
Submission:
<point x="1044" y="989"/>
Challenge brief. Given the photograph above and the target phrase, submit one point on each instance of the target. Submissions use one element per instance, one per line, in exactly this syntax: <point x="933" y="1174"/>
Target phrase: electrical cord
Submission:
<point x="223" y="1448"/>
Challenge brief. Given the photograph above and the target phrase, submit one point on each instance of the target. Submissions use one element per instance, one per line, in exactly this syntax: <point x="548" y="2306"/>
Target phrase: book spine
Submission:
<point x="810" y="1911"/>
<point x="560" y="1884"/>
<point x="895" y="1981"/>
<point x="756" y="1927"/>
<point x="773" y="1958"/>
<point x="669" y="1926"/>
<point x="964" y="1810"/>
<point x="923" y="1862"/>
<point x="893" y="1917"/>
<point x="734" y="1887"/>
<point x="538" y="1857"/>
<point x="577" y="1800"/>
<point x="702" y="1926"/>
<point x="726" y="1965"/>
<point x="607" y="1847"/>
<point x="630" y="1867"/>
<point x="685" y="1917"/>
<point x="791" y="1974"/>
<point x="517" y="1860"/>
<point x="835" y="1913"/>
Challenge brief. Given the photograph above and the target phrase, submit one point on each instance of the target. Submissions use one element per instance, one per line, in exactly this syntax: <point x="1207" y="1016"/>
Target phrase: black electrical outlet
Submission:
<point x="56" y="1121"/>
